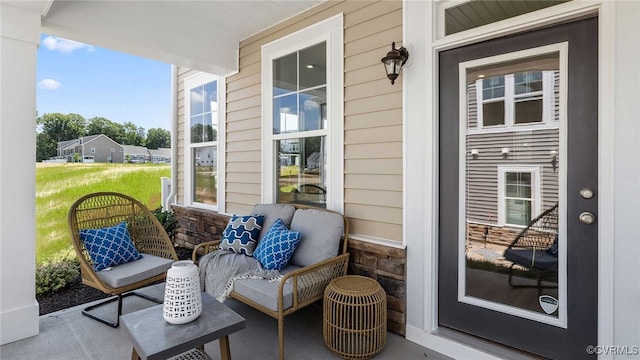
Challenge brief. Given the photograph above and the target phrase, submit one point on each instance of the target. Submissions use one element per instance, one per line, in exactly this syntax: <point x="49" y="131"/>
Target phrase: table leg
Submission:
<point x="225" y="353"/>
<point x="134" y="355"/>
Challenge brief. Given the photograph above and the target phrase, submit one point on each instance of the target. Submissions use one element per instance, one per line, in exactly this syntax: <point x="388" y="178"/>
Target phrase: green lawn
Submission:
<point x="59" y="185"/>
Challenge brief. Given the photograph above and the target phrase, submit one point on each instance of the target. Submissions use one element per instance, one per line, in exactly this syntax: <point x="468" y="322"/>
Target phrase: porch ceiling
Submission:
<point x="202" y="35"/>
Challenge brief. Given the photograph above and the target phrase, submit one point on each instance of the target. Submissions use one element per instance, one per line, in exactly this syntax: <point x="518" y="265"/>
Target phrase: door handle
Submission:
<point x="587" y="218"/>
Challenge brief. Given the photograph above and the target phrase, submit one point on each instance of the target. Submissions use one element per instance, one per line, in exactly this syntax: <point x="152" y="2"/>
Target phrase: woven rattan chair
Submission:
<point x="106" y="209"/>
<point x="536" y="248"/>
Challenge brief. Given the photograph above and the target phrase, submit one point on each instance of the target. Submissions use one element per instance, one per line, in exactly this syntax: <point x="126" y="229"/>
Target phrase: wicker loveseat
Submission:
<point x="320" y="258"/>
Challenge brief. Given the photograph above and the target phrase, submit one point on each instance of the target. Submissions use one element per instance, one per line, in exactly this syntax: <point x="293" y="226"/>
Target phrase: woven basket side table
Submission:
<point x="355" y="317"/>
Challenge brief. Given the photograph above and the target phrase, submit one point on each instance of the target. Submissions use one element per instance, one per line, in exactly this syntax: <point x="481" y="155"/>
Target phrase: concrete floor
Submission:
<point x="68" y="335"/>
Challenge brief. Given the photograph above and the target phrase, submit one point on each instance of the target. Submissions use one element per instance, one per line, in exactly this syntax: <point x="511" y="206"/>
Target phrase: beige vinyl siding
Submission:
<point x="372" y="123"/>
<point x="372" y="117"/>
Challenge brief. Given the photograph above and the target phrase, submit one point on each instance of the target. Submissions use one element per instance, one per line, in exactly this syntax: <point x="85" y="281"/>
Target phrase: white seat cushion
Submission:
<point x="134" y="271"/>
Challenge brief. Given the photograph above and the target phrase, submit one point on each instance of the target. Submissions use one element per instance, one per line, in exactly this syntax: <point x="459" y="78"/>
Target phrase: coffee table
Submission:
<point x="153" y="338"/>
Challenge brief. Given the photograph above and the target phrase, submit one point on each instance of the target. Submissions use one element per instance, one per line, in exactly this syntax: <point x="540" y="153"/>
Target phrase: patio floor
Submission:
<point x="69" y="335"/>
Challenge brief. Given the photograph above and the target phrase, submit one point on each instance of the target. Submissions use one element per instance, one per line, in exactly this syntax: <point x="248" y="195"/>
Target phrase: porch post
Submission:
<point x="19" y="37"/>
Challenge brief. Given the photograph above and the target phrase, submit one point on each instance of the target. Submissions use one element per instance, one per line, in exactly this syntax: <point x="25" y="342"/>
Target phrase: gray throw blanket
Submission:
<point x="219" y="269"/>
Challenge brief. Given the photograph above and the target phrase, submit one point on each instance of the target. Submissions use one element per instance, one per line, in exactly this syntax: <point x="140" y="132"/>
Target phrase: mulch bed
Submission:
<point x="77" y="293"/>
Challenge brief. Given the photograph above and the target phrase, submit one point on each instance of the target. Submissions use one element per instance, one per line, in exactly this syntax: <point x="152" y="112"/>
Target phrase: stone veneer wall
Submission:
<point x="196" y="226"/>
<point x="385" y="264"/>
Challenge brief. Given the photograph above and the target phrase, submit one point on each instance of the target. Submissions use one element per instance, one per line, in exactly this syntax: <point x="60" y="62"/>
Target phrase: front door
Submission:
<point x="518" y="190"/>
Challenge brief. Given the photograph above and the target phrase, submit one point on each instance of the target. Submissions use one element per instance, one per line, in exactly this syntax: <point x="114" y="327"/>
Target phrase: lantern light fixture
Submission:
<point x="394" y="61"/>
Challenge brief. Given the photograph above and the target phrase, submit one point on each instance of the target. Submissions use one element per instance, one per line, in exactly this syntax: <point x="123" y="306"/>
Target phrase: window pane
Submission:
<point x="313" y="69"/>
<point x="313" y="105"/>
<point x="197" y="128"/>
<point x="301" y="171"/>
<point x="285" y="114"/>
<point x="528" y="81"/>
<point x="518" y="212"/>
<point x="528" y="111"/>
<point x="197" y="100"/>
<point x="285" y="74"/>
<point x="205" y="162"/>
<point x="493" y="87"/>
<point x="493" y="113"/>
<point x="210" y="96"/>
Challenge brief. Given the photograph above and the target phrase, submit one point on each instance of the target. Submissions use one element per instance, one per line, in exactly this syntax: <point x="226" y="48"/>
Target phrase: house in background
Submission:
<point x="160" y="156"/>
<point x="392" y="158"/>
<point x="93" y="148"/>
<point x="136" y="154"/>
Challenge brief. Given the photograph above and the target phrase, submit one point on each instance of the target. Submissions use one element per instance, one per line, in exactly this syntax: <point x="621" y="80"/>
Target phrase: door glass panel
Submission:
<point x="512" y="185"/>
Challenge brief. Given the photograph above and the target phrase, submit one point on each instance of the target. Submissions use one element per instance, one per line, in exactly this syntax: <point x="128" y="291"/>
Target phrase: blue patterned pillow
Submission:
<point x="242" y="233"/>
<point x="277" y="246"/>
<point x="110" y="246"/>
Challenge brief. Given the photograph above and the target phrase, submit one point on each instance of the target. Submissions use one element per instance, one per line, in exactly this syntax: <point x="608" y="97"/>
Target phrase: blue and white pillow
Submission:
<point x="277" y="246"/>
<point x="109" y="246"/>
<point x="242" y="234"/>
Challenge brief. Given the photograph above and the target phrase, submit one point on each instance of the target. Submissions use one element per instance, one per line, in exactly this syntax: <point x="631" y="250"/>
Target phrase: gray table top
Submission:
<point x="154" y="338"/>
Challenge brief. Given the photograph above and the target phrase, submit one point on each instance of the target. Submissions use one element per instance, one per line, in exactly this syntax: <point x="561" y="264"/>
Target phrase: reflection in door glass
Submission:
<point x="512" y="159"/>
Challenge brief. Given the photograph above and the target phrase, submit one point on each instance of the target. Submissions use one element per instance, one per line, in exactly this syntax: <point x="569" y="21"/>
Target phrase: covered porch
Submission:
<point x="67" y="334"/>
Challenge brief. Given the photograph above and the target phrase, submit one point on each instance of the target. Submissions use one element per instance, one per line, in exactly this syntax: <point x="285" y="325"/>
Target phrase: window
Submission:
<point x="518" y="99"/>
<point x="302" y="133"/>
<point x="493" y="101"/>
<point x="204" y="122"/>
<point x="519" y="194"/>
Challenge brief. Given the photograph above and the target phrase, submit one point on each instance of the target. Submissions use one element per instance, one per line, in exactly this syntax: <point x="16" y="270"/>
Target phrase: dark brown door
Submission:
<point x="518" y="161"/>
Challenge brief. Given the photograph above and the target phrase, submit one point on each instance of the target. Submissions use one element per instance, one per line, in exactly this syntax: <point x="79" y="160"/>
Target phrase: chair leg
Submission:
<point x="118" y="298"/>
<point x="281" y="337"/>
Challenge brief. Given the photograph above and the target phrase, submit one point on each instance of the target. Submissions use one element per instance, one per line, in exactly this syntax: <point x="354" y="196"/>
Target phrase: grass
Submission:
<point x="59" y="185"/>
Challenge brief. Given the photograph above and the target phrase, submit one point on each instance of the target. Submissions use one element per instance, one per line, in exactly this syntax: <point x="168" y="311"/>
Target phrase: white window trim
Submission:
<point x="330" y="31"/>
<point x="189" y="83"/>
<point x="510" y="98"/>
<point x="536" y="188"/>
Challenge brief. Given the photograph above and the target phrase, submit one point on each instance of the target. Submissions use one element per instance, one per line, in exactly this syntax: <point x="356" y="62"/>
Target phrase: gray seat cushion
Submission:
<point x="273" y="212"/>
<point x="265" y="292"/>
<point x="134" y="271"/>
<point x="321" y="232"/>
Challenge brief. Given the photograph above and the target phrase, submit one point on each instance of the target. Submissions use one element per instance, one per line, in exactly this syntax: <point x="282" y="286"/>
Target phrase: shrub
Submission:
<point x="168" y="220"/>
<point x="56" y="273"/>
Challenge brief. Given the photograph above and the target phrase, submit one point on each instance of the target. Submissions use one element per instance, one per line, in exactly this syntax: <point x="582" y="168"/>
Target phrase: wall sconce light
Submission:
<point x="394" y="61"/>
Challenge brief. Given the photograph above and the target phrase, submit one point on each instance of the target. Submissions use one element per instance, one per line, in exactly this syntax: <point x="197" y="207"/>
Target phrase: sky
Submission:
<point x="78" y="78"/>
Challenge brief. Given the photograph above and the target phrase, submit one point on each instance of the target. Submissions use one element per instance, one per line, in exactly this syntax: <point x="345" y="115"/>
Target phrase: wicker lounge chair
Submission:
<point x="536" y="248"/>
<point x="107" y="209"/>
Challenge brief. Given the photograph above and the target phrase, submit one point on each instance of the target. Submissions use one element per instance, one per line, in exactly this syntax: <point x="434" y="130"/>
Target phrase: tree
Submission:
<point x="133" y="135"/>
<point x="46" y="147"/>
<point x="158" y="138"/>
<point x="99" y="125"/>
<point x="61" y="127"/>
